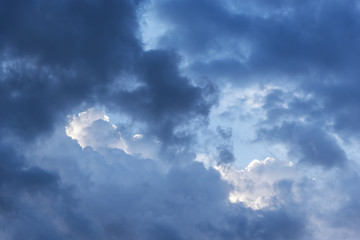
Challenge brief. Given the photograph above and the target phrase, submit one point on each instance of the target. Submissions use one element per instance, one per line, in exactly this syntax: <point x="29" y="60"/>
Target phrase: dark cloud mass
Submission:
<point x="312" y="46"/>
<point x="310" y="144"/>
<point x="162" y="164"/>
<point x="166" y="100"/>
<point x="55" y="55"/>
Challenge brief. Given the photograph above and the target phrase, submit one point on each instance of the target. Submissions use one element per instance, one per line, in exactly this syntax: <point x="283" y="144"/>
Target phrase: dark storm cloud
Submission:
<point x="348" y="214"/>
<point x="281" y="105"/>
<point x="309" y="143"/>
<point x="278" y="42"/>
<point x="323" y="110"/>
<point x="339" y="100"/>
<point x="54" y="55"/>
<point x="132" y="198"/>
<point x="16" y="178"/>
<point x="281" y="37"/>
<point x="301" y="123"/>
<point x="205" y="25"/>
<point x="57" y="55"/>
<point x="30" y="98"/>
<point x="95" y="34"/>
<point x="30" y="195"/>
<point x="166" y="100"/>
<point x="278" y="225"/>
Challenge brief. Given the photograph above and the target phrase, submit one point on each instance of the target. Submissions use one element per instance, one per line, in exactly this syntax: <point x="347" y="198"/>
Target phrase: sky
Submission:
<point x="179" y="119"/>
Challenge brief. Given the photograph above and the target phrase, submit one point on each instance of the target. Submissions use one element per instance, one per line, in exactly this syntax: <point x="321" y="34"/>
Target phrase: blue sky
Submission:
<point x="178" y="119"/>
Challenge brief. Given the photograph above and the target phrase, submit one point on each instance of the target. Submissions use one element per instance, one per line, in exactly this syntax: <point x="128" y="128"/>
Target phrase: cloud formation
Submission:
<point x="134" y="119"/>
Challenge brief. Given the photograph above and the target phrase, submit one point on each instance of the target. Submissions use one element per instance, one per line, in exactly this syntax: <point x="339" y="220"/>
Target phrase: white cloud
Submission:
<point x="92" y="128"/>
<point x="137" y="136"/>
<point x="254" y="185"/>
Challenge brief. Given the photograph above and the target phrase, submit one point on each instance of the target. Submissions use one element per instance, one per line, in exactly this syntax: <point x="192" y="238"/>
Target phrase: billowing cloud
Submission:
<point x="255" y="186"/>
<point x="145" y="119"/>
<point x="307" y="143"/>
<point x="92" y="128"/>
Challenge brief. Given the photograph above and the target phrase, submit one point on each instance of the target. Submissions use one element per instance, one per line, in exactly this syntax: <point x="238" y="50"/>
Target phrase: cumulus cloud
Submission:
<point x="255" y="186"/>
<point x="282" y="44"/>
<point x="113" y="194"/>
<point x="140" y="119"/>
<point x="92" y="128"/>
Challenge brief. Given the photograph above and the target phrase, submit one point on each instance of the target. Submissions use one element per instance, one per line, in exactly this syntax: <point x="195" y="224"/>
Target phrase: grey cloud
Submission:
<point x="225" y="145"/>
<point x="293" y="39"/>
<point x="114" y="195"/>
<point x="278" y="43"/>
<point x="224" y="133"/>
<point x="58" y="56"/>
<point x="167" y="101"/>
<point x="316" y="112"/>
<point x="18" y="178"/>
<point x="55" y="55"/>
<point x="309" y="143"/>
<point x="225" y="154"/>
<point x="94" y="34"/>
